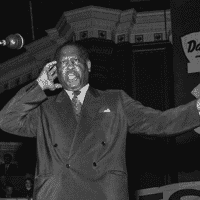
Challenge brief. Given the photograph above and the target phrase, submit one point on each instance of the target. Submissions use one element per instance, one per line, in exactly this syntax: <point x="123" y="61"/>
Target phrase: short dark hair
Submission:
<point x="29" y="179"/>
<point x="82" y="51"/>
<point x="9" y="184"/>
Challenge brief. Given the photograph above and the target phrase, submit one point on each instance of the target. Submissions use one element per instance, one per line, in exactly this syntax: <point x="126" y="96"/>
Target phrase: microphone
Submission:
<point x="14" y="41"/>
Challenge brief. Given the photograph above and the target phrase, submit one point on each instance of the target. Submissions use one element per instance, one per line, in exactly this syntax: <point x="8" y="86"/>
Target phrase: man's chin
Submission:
<point x="73" y="86"/>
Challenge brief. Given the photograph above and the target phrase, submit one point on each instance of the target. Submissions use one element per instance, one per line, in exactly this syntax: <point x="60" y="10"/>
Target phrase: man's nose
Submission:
<point x="71" y="68"/>
<point x="71" y="62"/>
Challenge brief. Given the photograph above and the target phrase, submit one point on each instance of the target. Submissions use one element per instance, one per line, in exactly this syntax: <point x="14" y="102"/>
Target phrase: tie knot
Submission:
<point x="76" y="93"/>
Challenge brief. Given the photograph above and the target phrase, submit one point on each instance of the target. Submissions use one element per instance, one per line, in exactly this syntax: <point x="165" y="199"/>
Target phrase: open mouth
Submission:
<point x="72" y="77"/>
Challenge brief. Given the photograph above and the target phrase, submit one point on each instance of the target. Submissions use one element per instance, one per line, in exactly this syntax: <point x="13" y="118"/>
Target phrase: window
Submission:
<point x="102" y="34"/>
<point x="121" y="38"/>
<point x="158" y="36"/>
<point x="83" y="35"/>
<point x="138" y="38"/>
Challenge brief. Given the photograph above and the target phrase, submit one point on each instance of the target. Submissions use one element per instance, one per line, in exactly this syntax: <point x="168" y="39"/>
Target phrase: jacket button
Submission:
<point x="94" y="164"/>
<point x="103" y="143"/>
<point x="67" y="165"/>
<point x="55" y="145"/>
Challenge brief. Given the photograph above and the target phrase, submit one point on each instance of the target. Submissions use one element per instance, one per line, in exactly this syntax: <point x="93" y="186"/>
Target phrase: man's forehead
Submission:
<point x="69" y="51"/>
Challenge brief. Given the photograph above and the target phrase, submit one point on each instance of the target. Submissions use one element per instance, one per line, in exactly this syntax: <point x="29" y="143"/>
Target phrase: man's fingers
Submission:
<point x="54" y="76"/>
<point x="50" y="65"/>
<point x="57" y="85"/>
<point x="53" y="62"/>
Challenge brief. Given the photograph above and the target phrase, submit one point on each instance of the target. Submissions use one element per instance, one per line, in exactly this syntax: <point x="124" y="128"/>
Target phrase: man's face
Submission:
<point x="9" y="190"/>
<point x="72" y="72"/>
<point x="7" y="160"/>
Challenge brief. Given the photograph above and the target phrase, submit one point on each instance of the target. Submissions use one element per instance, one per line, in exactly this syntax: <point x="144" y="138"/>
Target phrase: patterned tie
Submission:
<point x="76" y="104"/>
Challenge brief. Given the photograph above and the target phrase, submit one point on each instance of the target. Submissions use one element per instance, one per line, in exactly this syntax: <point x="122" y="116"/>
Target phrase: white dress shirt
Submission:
<point x="81" y="96"/>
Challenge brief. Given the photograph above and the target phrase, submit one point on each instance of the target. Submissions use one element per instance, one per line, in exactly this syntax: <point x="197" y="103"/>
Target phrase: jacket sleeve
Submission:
<point x="149" y="121"/>
<point x="20" y="115"/>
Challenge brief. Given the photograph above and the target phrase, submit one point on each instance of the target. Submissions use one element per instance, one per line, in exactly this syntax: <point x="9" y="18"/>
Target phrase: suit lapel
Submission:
<point x="65" y="114"/>
<point x="90" y="107"/>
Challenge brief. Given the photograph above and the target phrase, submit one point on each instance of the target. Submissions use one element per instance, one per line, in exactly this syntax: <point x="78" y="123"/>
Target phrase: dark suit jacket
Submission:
<point x="15" y="193"/>
<point x="26" y="193"/>
<point x="12" y="170"/>
<point x="85" y="160"/>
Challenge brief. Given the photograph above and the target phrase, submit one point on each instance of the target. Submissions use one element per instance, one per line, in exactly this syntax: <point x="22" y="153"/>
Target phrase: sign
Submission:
<point x="185" y="18"/>
<point x="178" y="191"/>
<point x="191" y="47"/>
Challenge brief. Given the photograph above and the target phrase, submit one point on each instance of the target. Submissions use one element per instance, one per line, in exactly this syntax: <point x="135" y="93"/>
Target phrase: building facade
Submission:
<point x="87" y="22"/>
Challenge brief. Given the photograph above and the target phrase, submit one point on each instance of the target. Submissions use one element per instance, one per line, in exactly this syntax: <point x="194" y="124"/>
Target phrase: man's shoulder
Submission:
<point x="110" y="94"/>
<point x="110" y="91"/>
<point x="13" y="165"/>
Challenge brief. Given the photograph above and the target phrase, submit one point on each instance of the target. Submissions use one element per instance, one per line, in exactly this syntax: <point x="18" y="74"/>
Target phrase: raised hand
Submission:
<point x="47" y="76"/>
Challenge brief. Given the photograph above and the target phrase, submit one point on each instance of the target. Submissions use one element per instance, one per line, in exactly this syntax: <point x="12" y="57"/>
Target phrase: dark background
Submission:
<point x="15" y="16"/>
<point x="151" y="161"/>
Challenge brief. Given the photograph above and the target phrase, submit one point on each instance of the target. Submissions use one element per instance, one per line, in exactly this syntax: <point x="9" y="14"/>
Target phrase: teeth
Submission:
<point x="71" y="77"/>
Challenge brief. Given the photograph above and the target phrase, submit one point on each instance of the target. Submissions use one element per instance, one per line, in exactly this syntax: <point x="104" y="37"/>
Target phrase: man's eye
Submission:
<point x="64" y="63"/>
<point x="76" y="61"/>
<point x="72" y="61"/>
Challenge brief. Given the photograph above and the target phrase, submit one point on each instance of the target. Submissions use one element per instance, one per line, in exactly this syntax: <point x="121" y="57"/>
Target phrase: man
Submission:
<point x="10" y="192"/>
<point x="8" y="168"/>
<point x="81" y="154"/>
<point x="2" y="186"/>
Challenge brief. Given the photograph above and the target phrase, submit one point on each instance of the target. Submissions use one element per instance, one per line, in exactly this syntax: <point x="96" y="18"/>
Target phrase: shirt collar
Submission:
<point x="81" y="96"/>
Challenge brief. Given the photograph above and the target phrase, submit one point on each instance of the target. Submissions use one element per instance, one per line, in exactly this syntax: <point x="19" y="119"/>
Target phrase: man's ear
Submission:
<point x="89" y="65"/>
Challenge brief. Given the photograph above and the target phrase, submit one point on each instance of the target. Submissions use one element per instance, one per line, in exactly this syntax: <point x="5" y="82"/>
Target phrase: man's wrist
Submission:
<point x="40" y="84"/>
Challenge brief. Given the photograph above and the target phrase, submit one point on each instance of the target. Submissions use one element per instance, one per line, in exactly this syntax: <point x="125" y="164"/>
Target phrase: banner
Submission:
<point x="185" y="20"/>
<point x="178" y="191"/>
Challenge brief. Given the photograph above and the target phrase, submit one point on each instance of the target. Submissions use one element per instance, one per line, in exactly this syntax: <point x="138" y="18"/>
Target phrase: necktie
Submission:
<point x="76" y="104"/>
<point x="6" y="169"/>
